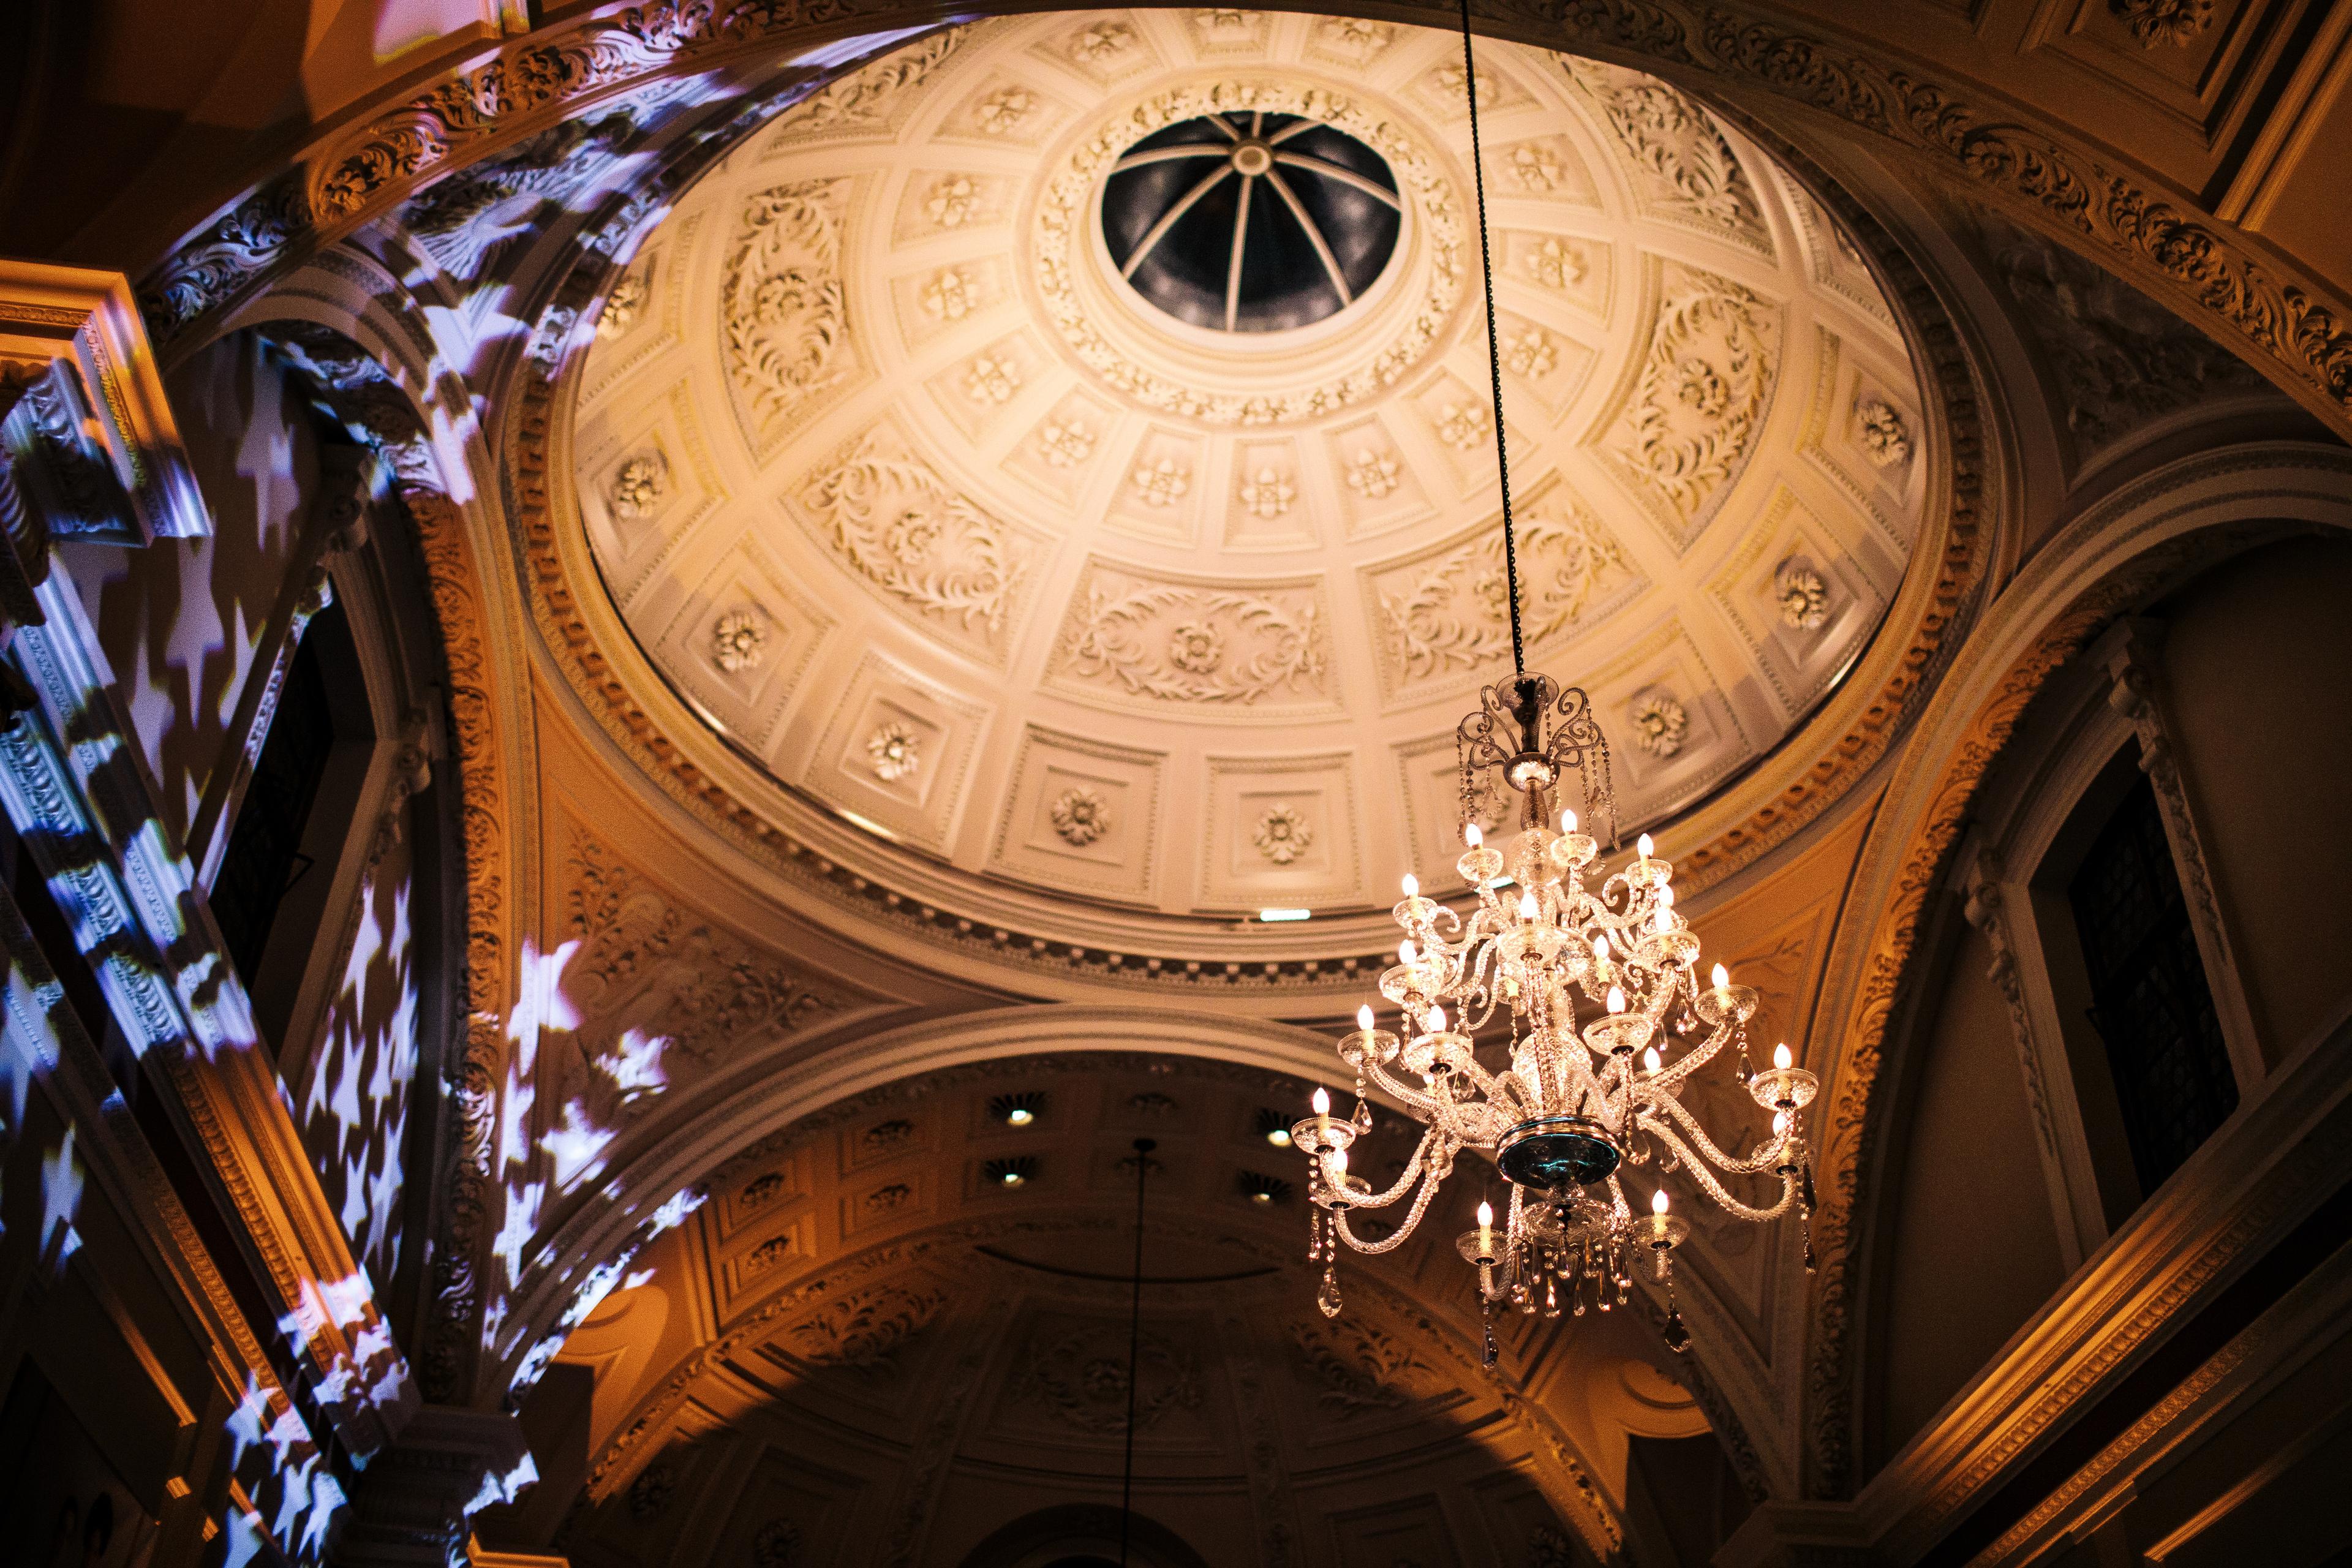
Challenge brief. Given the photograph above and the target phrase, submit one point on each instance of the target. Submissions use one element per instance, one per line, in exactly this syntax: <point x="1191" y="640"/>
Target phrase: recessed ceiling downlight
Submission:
<point x="1250" y="223"/>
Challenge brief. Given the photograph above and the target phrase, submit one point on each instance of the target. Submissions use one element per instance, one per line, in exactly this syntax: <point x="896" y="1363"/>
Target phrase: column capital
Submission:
<point x="411" y="1506"/>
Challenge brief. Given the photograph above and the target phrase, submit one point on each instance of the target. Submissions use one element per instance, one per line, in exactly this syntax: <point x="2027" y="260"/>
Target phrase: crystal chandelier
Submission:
<point x="1596" y="976"/>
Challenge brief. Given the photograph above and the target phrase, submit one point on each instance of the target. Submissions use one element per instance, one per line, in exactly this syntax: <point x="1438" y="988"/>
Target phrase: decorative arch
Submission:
<point x="2118" y="555"/>
<point x="348" y="329"/>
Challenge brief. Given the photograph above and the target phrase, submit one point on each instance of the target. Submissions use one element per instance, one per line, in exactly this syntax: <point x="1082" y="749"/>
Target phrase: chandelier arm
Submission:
<point x="1761" y="1161"/>
<point x="1414" y="1168"/>
<point x="1697" y="1056"/>
<point x="1404" y="1227"/>
<point x="1415" y="1100"/>
<point x="1721" y="1195"/>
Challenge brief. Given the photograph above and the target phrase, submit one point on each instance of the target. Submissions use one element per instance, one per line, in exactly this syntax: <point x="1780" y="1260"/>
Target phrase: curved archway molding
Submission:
<point x="859" y="1064"/>
<point x="388" y="395"/>
<point x="2120" y="553"/>
<point x="2286" y="318"/>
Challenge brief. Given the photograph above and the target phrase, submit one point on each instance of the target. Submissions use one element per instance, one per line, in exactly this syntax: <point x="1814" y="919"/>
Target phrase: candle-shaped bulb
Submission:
<point x="1665" y="897"/>
<point x="1411" y="886"/>
<point x="1601" y="947"/>
<point x="1528" y="910"/>
<point x="1782" y="1058"/>
<point x="1616" y="999"/>
<point x="1567" y="820"/>
<point x="1405" y="954"/>
<point x="1486" y="1214"/>
<point x="1722" y="977"/>
<point x="1339" y="1162"/>
<point x="1364" y="1019"/>
<point x="1658" y="1201"/>
<point x="1321" y="1101"/>
<point x="1651" y="1060"/>
<point x="1471" y="836"/>
<point x="1664" y="919"/>
<point x="1644" y="846"/>
<point x="1435" y="1021"/>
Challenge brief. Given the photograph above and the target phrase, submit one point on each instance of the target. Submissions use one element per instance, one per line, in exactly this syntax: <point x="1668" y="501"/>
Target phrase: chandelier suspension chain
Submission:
<point x="1143" y="1148"/>
<point x="1494" y="351"/>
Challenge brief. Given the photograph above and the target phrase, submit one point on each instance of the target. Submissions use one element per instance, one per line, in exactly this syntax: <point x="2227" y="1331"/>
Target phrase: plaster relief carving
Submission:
<point x="623" y="305"/>
<point x="1065" y="444"/>
<point x="1465" y="426"/>
<point x="1354" y="1365"/>
<point x="784" y="315"/>
<point x="1804" y="597"/>
<point x="759" y="1192"/>
<point x="1282" y="834"/>
<point x="1373" y="474"/>
<point x="1080" y="816"/>
<point x="953" y="201"/>
<point x="1452" y="612"/>
<point x="1267" y="493"/>
<point x="1534" y="166"/>
<point x="868" y="1330"/>
<point x="863" y="98"/>
<point x="638" y="486"/>
<point x="889" y="518"/>
<point x="1180" y="642"/>
<point x="992" y="380"/>
<point x="1099" y="42"/>
<point x="1661" y="723"/>
<point x="2120" y="359"/>
<point x="1353" y="36"/>
<point x="1082" y="1377"/>
<point x="1530" y="352"/>
<point x="1885" y="434"/>
<point x="739" y="642"/>
<point x="951" y="295"/>
<point x="894" y="752"/>
<point x="1003" y="111"/>
<point x="465" y="222"/>
<point x="1690" y="169"/>
<point x="2155" y="22"/>
<point x="766" y="1257"/>
<point x="885" y="1136"/>
<point x="884" y="1199"/>
<point x="650" y="1493"/>
<point x="1162" y="483"/>
<point x="1558" y="264"/>
<point x="1705" y="386"/>
<point x="778" y="1545"/>
<point x="648" y="967"/>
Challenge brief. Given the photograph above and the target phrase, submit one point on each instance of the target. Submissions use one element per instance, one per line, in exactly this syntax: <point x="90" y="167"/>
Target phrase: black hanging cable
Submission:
<point x="1494" y="351"/>
<point x="1143" y="1148"/>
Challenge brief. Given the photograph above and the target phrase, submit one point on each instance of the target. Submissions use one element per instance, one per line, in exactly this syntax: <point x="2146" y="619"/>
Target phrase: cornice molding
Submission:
<point x="2210" y="271"/>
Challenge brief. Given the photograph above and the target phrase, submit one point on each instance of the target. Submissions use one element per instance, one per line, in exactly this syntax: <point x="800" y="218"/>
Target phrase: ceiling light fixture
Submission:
<point x="1600" y="987"/>
<point x="1274" y="915"/>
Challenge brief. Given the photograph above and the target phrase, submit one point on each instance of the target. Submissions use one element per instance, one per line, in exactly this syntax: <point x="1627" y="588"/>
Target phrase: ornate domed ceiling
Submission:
<point x="917" y="453"/>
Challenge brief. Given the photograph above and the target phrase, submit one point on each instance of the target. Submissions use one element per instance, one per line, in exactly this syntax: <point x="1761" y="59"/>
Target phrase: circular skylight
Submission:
<point x="1250" y="223"/>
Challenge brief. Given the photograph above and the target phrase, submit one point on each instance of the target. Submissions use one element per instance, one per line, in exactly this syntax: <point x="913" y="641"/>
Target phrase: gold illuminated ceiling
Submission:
<point x="898" y="483"/>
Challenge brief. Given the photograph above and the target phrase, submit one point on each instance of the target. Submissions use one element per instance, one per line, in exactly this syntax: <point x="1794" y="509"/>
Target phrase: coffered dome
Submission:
<point x="1062" y="448"/>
